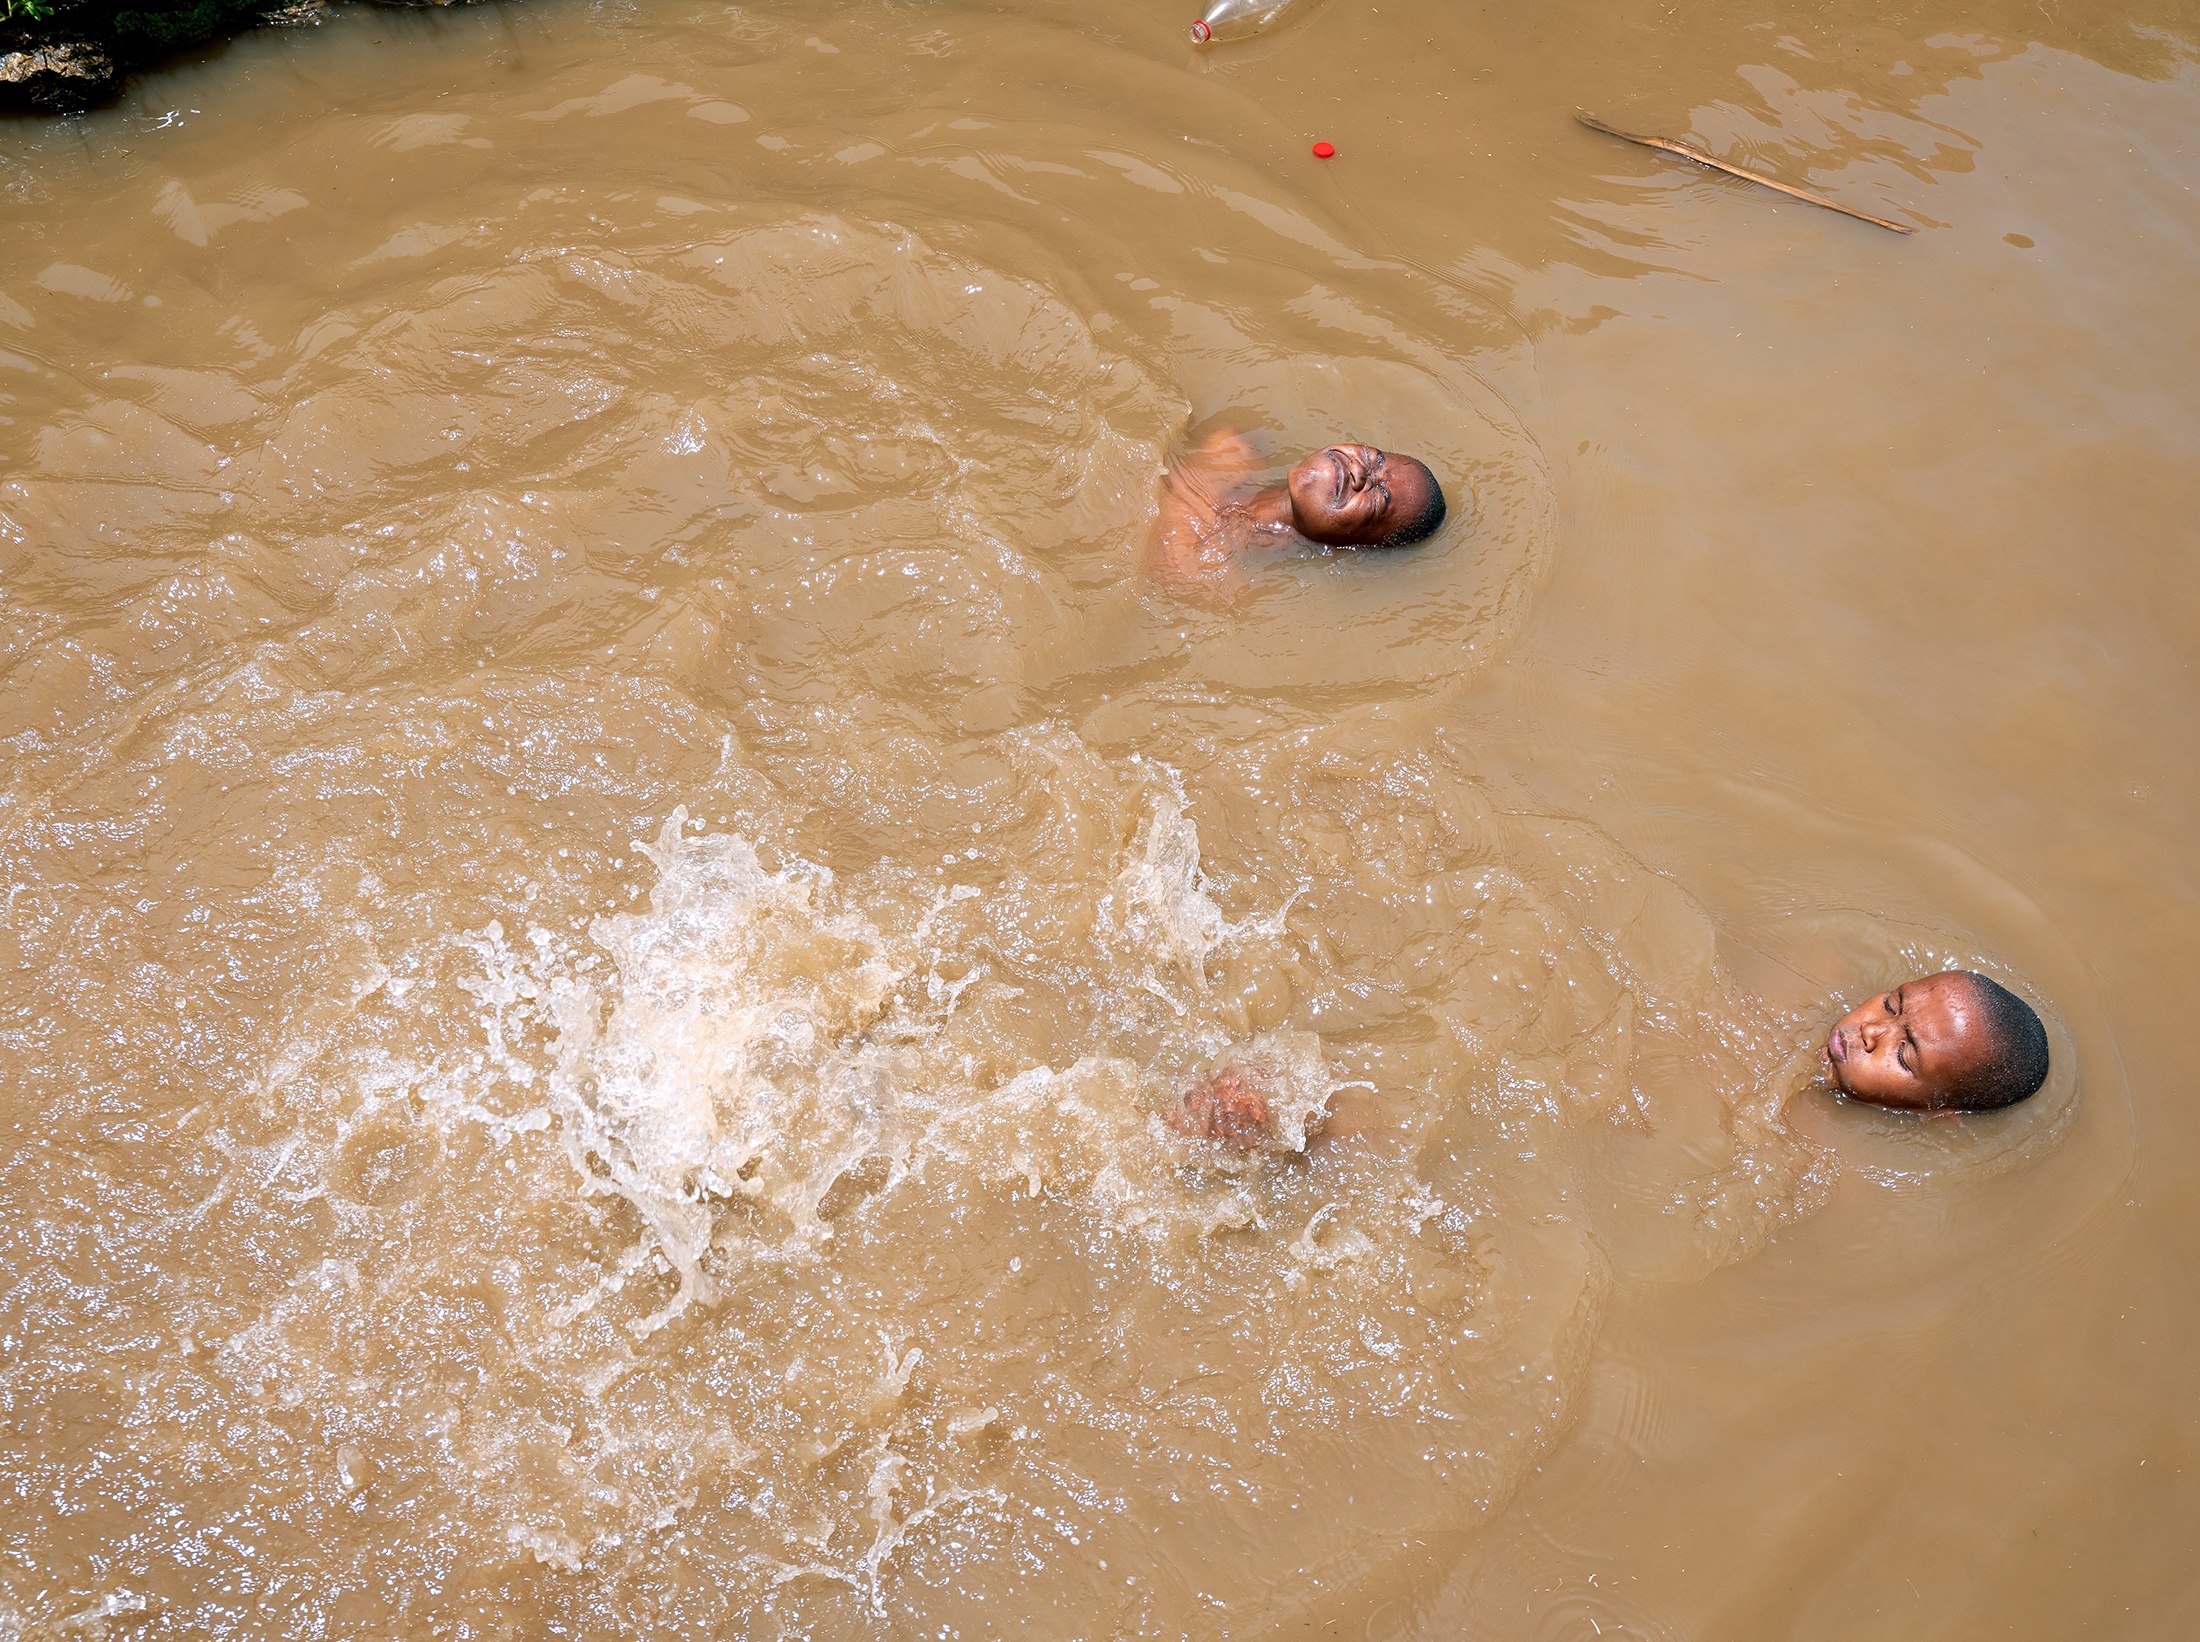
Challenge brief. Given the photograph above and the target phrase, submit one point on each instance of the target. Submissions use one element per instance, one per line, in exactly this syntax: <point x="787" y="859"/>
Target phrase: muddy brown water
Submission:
<point x="608" y="868"/>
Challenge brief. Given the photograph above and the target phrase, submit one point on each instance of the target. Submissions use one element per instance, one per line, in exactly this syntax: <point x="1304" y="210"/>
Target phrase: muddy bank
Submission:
<point x="58" y="57"/>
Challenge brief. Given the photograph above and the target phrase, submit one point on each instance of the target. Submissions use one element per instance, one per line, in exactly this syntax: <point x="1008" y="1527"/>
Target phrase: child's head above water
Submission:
<point x="1952" y="1042"/>
<point x="1358" y="496"/>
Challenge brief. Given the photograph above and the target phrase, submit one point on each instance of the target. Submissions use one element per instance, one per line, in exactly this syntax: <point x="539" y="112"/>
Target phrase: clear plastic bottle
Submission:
<point x="1228" y="18"/>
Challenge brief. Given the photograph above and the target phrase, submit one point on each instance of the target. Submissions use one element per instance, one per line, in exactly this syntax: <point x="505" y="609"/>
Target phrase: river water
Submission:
<point x="610" y="868"/>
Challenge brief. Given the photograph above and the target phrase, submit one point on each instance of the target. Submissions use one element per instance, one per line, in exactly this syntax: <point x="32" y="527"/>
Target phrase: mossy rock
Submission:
<point x="57" y="78"/>
<point x="61" y="56"/>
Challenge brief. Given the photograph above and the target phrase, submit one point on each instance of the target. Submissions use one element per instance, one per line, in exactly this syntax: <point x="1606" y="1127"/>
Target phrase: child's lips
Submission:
<point x="1837" y="1045"/>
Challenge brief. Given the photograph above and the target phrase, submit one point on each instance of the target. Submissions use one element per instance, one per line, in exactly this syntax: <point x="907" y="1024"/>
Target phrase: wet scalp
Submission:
<point x="2012" y="1065"/>
<point x="1431" y="517"/>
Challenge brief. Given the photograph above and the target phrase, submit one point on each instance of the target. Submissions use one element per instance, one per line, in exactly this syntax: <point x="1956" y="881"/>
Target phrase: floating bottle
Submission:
<point x="1226" y="19"/>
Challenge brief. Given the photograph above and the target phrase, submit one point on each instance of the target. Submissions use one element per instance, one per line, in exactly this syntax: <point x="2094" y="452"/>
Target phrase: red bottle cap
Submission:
<point x="1323" y="151"/>
<point x="1201" y="34"/>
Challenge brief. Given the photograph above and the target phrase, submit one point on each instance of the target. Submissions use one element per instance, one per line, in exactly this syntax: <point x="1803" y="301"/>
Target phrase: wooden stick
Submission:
<point x="1701" y="158"/>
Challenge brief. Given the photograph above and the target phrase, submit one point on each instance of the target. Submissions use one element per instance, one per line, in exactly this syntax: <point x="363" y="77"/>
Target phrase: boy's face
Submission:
<point x="1905" y="1048"/>
<point x="1355" y="495"/>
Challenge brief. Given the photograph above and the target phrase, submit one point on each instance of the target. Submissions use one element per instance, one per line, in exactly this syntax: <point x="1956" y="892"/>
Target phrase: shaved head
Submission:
<point x="1951" y="1042"/>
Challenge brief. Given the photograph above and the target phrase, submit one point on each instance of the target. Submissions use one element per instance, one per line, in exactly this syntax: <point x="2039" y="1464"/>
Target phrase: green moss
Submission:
<point x="178" y="24"/>
<point x="141" y="23"/>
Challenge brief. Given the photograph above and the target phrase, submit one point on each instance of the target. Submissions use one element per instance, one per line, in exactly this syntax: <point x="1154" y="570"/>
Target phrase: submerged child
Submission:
<point x="1948" y="1043"/>
<point x="1952" y="1042"/>
<point x="1231" y="1105"/>
<point x="1341" y="496"/>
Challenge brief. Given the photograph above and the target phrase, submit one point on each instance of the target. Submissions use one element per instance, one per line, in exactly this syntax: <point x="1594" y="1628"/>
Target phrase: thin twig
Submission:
<point x="1701" y="158"/>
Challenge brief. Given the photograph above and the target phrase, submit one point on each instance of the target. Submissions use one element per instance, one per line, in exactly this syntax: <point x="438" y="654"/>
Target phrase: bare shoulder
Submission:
<point x="1226" y="449"/>
<point x="1188" y="542"/>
